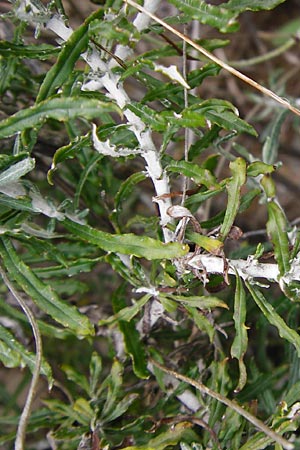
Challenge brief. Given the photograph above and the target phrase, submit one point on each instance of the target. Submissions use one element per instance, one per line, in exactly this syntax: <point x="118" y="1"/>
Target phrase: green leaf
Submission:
<point x="68" y="152"/>
<point x="42" y="51"/>
<point x="270" y="148"/>
<point x="70" y="53"/>
<point x="77" y="378"/>
<point x="126" y="188"/>
<point x="271" y="315"/>
<point x="259" y="168"/>
<point x="239" y="6"/>
<point x="215" y="16"/>
<point x="195" y="173"/>
<point x="240" y="342"/>
<point x="131" y="336"/>
<point x="201" y="321"/>
<point x="42" y="294"/>
<point x="127" y="313"/>
<point x="210" y="244"/>
<point x="221" y="113"/>
<point x="170" y="438"/>
<point x="128" y="244"/>
<point x="238" y="179"/>
<point x="277" y="231"/>
<point x="201" y="301"/>
<point x="95" y="372"/>
<point x="62" y="109"/>
<point x="150" y="117"/>
<point x="14" y="354"/>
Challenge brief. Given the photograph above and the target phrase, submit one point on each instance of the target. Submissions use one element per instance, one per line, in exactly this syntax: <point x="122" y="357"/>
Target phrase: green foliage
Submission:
<point x="156" y="321"/>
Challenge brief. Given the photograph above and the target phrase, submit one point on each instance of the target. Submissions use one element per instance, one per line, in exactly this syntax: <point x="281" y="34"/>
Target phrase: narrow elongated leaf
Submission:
<point x="238" y="170"/>
<point x="62" y="109"/>
<point x="210" y="244"/>
<point x="127" y="313"/>
<point x="131" y="336"/>
<point x="42" y="51"/>
<point x="16" y="355"/>
<point x="59" y="72"/>
<point x="128" y="244"/>
<point x="277" y="231"/>
<point x="259" y="168"/>
<point x="42" y="294"/>
<point x="239" y="6"/>
<point x="195" y="173"/>
<point x="201" y="302"/>
<point x="215" y="16"/>
<point x="270" y="148"/>
<point x="201" y="321"/>
<point x="271" y="315"/>
<point x="221" y="113"/>
<point x="240" y="342"/>
<point x="127" y="186"/>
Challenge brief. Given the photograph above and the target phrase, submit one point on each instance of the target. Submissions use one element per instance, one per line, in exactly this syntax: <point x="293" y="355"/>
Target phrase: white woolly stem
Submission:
<point x="246" y="269"/>
<point x="116" y="92"/>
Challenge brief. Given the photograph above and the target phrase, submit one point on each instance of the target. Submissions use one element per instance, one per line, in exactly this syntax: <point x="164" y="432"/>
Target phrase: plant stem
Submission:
<point x="231" y="404"/>
<point x="21" y="431"/>
<point x="218" y="61"/>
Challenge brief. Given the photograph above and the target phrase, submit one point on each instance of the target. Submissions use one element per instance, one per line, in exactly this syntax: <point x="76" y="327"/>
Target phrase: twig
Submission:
<point x="231" y="404"/>
<point x="21" y="431"/>
<point x="221" y="63"/>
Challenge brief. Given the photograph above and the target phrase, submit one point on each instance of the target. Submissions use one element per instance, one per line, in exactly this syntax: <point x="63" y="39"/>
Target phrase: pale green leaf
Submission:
<point x="240" y="342"/>
<point x="277" y="231"/>
<point x="128" y="244"/>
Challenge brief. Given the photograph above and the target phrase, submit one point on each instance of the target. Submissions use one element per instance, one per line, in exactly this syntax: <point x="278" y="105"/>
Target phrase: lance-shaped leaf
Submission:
<point x="195" y="173"/>
<point x="128" y="244"/>
<point x="251" y="5"/>
<point x="42" y="51"/>
<point x="14" y="354"/>
<point x="131" y="336"/>
<point x="277" y="231"/>
<point x="274" y="318"/>
<point x="62" y="109"/>
<point x="219" y="112"/>
<point x="42" y="294"/>
<point x="238" y="170"/>
<point x="215" y="16"/>
<point x="201" y="301"/>
<point x="70" y="53"/>
<point x="240" y="342"/>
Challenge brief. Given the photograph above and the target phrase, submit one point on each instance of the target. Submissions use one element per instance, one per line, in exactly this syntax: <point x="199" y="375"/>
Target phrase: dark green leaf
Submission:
<point x="44" y="296"/>
<point x="215" y="16"/>
<point x="62" y="109"/>
<point x="274" y="318"/>
<point x="131" y="336"/>
<point x="42" y="51"/>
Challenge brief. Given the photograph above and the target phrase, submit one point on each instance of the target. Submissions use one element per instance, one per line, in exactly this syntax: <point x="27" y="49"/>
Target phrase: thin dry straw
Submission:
<point x="218" y="61"/>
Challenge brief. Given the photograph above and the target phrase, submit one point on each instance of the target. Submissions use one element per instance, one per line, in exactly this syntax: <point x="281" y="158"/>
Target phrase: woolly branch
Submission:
<point x="103" y="77"/>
